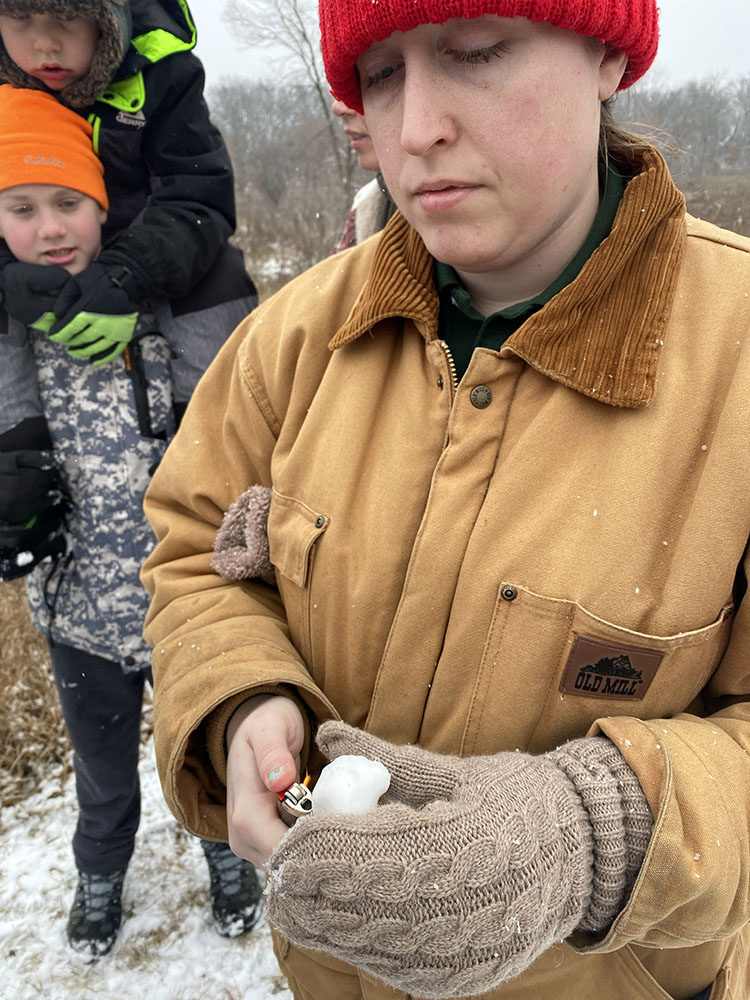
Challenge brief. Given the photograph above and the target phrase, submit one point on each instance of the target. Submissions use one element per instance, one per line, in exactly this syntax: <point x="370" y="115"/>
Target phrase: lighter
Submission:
<point x="294" y="802"/>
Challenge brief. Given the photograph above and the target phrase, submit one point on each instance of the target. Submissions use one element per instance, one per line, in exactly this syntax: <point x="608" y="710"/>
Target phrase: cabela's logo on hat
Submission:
<point x="43" y="161"/>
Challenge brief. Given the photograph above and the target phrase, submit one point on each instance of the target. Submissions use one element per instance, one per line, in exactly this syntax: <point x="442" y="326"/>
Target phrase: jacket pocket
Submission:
<point x="293" y="530"/>
<point x="581" y="667"/>
<point x="643" y="985"/>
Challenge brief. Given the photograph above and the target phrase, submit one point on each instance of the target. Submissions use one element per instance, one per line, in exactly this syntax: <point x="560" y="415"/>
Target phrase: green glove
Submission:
<point x="96" y="312"/>
<point x="92" y="334"/>
<point x="44" y="323"/>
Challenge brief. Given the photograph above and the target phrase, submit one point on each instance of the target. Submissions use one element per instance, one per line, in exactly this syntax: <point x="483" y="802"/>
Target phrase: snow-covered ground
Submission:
<point x="167" y="948"/>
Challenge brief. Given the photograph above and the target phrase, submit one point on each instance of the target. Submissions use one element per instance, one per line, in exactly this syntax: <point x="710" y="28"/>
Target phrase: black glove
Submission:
<point x="30" y="290"/>
<point x="95" y="314"/>
<point x="28" y="476"/>
<point x="33" y="503"/>
<point x="6" y="257"/>
<point x="23" y="548"/>
<point x="28" y="481"/>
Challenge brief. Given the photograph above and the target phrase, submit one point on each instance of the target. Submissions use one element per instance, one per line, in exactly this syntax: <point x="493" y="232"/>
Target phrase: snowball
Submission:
<point x="350" y="784"/>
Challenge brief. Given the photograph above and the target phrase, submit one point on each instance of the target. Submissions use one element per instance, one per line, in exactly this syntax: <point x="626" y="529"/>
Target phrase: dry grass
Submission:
<point x="33" y="740"/>
<point x="723" y="199"/>
<point x="34" y="743"/>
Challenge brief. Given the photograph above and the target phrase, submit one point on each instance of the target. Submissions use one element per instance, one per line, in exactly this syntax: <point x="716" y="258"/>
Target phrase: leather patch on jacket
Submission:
<point x="597" y="669"/>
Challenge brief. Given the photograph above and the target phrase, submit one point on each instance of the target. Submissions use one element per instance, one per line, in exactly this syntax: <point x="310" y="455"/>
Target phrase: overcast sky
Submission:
<point x="699" y="38"/>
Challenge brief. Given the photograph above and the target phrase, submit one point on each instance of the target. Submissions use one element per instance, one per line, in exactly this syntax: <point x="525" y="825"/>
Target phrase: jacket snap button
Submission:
<point x="508" y="592"/>
<point x="319" y="521"/>
<point x="481" y="396"/>
<point x="440" y="382"/>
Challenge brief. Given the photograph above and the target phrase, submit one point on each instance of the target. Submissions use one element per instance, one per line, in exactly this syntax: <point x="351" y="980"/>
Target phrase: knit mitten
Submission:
<point x="241" y="545"/>
<point x="473" y="868"/>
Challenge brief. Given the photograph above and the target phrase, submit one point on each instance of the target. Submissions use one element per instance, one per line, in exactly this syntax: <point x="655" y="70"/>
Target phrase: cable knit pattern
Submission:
<point x="470" y="871"/>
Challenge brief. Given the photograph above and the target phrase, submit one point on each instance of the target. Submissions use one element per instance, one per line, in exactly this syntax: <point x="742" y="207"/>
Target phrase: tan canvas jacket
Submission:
<point x="551" y="548"/>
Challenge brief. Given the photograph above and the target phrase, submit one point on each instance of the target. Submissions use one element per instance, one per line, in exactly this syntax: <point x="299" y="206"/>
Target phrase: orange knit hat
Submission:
<point x="43" y="142"/>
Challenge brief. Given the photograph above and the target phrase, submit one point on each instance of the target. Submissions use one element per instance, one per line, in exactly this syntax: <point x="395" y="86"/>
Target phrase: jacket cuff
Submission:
<point x="137" y="282"/>
<point x="217" y="721"/>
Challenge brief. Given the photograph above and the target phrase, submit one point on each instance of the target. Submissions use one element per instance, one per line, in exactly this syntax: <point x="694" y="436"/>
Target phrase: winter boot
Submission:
<point x="96" y="913"/>
<point x="236" y="893"/>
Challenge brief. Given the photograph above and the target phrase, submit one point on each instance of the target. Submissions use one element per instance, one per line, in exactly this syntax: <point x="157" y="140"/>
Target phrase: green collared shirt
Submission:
<point x="464" y="329"/>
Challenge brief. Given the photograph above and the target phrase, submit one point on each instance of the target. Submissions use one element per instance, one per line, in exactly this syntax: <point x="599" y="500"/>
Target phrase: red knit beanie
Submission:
<point x="349" y="27"/>
<point x="43" y="142"/>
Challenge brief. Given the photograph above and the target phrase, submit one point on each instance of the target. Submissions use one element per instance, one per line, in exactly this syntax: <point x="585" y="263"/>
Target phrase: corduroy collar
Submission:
<point x="603" y="334"/>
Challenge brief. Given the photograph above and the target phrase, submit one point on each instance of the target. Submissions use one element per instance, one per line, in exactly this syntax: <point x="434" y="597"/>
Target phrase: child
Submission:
<point x="129" y="69"/>
<point x="52" y="205"/>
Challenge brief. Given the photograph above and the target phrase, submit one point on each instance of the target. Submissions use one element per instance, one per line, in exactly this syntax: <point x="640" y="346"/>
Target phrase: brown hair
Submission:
<point x="616" y="142"/>
<point x="619" y="143"/>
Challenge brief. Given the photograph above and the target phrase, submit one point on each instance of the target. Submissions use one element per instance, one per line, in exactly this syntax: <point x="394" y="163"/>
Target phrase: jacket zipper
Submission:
<point x="451" y="364"/>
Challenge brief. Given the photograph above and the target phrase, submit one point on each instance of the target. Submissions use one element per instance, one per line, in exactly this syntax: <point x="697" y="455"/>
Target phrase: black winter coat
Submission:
<point x="166" y="166"/>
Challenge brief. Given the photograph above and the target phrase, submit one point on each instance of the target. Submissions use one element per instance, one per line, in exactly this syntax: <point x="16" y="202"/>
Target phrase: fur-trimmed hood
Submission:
<point x="114" y="20"/>
<point x="121" y="22"/>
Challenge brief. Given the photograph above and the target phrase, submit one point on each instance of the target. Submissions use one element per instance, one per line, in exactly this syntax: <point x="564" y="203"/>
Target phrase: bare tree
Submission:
<point x="291" y="206"/>
<point x="709" y="124"/>
<point x="291" y="26"/>
<point x="708" y="119"/>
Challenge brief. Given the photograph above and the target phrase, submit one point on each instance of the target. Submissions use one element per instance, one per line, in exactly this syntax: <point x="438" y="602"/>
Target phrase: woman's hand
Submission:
<point x="264" y="740"/>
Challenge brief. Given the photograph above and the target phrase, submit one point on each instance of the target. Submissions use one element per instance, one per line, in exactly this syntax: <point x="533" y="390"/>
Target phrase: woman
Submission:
<point x="372" y="206"/>
<point x="508" y="449"/>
